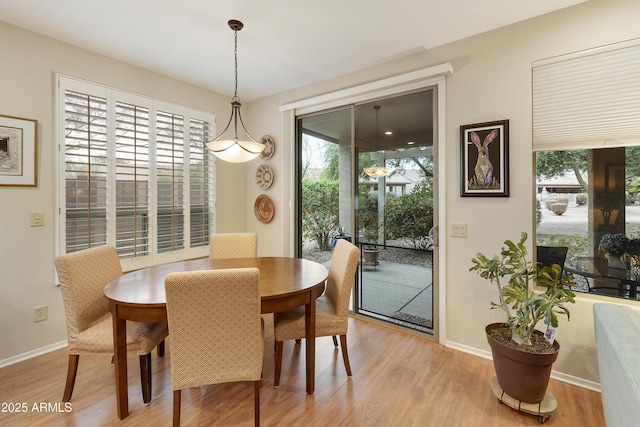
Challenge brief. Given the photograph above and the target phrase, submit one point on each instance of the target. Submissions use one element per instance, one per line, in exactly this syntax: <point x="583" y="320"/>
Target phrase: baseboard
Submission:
<point x="579" y="382"/>
<point x="569" y="379"/>
<point x="467" y="349"/>
<point x="33" y="353"/>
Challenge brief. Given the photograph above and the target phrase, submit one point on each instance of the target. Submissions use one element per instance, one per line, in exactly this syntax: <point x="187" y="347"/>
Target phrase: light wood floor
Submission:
<point x="398" y="380"/>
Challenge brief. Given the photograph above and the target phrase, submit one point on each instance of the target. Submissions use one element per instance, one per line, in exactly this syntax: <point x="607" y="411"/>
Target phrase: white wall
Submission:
<point x="491" y="81"/>
<point x="26" y="255"/>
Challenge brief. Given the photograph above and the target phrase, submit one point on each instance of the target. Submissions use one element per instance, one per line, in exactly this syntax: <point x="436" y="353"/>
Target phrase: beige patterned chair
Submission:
<point x="332" y="308"/>
<point x="216" y="330"/>
<point x="83" y="276"/>
<point x="233" y="245"/>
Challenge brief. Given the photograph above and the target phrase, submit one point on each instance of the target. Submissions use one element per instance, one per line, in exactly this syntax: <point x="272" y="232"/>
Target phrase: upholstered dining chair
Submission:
<point x="233" y="245"/>
<point x="332" y="308"/>
<point x="83" y="276"/>
<point x="216" y="330"/>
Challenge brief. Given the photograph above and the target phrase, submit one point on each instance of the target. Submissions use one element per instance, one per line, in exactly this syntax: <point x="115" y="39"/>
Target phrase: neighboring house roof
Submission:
<point x="566" y="181"/>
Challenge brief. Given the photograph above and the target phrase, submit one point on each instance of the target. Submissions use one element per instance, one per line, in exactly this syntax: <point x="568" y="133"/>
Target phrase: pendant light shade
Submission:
<point x="232" y="148"/>
<point x="376" y="171"/>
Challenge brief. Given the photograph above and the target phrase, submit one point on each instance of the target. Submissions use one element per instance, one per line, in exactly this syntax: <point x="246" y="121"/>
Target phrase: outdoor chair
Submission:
<point x="549" y="255"/>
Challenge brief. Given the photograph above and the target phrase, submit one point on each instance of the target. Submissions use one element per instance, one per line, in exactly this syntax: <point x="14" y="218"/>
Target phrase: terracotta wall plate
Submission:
<point x="263" y="208"/>
<point x="264" y="176"/>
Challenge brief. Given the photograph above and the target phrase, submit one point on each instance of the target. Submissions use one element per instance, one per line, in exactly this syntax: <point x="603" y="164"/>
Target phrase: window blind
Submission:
<point x="200" y="191"/>
<point x="132" y="179"/>
<point x="169" y="165"/>
<point x="85" y="172"/>
<point x="136" y="174"/>
<point x="588" y="99"/>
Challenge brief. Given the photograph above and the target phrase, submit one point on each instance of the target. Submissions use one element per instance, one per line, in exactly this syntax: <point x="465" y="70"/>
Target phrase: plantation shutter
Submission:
<point x="132" y="180"/>
<point x="85" y="170"/>
<point x="201" y="175"/>
<point x="134" y="175"/>
<point x="588" y="99"/>
<point x="170" y="181"/>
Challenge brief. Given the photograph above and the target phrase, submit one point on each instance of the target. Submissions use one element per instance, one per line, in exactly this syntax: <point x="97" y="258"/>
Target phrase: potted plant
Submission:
<point x="522" y="356"/>
<point x="618" y="248"/>
<point x="369" y="240"/>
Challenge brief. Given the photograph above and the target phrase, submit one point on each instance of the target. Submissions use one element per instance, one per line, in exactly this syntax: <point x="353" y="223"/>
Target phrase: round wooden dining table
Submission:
<point x="139" y="296"/>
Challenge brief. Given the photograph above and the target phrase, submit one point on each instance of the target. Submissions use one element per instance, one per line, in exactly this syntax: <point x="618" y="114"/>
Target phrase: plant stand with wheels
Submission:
<point x="542" y="410"/>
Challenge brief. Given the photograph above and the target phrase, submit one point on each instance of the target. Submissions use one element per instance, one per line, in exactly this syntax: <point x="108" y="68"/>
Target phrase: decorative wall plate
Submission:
<point x="264" y="176"/>
<point x="270" y="147"/>
<point x="263" y="208"/>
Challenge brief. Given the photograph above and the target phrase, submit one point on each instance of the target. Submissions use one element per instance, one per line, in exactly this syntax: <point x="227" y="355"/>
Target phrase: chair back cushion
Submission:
<point x="549" y="255"/>
<point x="342" y="271"/>
<point x="83" y="276"/>
<point x="215" y="326"/>
<point x="233" y="245"/>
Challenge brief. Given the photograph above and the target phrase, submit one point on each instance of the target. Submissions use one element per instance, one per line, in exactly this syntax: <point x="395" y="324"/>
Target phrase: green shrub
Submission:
<point x="410" y="216"/>
<point x="630" y="199"/>
<point x="320" y="211"/>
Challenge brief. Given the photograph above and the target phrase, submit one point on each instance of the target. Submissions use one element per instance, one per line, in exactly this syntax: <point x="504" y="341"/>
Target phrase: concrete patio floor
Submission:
<point x="399" y="293"/>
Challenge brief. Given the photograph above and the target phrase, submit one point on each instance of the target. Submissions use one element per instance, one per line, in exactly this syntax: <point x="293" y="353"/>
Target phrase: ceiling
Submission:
<point x="408" y="118"/>
<point x="285" y="44"/>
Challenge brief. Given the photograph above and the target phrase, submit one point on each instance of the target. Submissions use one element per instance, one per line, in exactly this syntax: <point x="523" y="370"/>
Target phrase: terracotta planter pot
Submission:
<point x="523" y="376"/>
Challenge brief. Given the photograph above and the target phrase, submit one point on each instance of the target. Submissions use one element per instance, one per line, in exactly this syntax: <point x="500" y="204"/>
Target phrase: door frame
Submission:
<point x="420" y="79"/>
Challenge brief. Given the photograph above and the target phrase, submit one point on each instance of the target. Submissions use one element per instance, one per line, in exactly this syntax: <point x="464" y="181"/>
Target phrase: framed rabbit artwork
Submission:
<point x="484" y="153"/>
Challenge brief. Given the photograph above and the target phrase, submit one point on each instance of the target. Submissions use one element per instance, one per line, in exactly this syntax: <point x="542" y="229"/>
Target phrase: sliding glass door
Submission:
<point x="366" y="174"/>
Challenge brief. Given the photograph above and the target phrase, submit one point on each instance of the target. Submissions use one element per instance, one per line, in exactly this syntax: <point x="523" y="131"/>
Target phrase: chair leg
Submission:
<point x="145" y="377"/>
<point x="278" y="363"/>
<point x="256" y="402"/>
<point x="335" y="341"/>
<point x="160" y="349"/>
<point x="72" y="370"/>
<point x="176" y="407"/>
<point x="345" y="354"/>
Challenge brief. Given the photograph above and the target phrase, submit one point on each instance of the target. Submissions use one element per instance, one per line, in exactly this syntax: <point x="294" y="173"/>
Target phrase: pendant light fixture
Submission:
<point x="376" y="171"/>
<point x="234" y="149"/>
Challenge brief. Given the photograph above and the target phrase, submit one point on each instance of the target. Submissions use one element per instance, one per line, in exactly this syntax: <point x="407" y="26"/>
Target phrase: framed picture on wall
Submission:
<point x="484" y="153"/>
<point x="18" y="152"/>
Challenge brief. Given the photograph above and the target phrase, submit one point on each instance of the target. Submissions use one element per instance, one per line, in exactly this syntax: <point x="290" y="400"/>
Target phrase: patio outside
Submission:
<point x="398" y="289"/>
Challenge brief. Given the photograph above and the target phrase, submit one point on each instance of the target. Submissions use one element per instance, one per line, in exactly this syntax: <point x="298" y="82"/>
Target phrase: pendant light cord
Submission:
<point x="235" y="70"/>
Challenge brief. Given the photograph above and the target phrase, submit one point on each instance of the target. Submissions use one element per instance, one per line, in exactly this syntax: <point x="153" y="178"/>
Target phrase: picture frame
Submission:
<point x="484" y="155"/>
<point x="18" y="152"/>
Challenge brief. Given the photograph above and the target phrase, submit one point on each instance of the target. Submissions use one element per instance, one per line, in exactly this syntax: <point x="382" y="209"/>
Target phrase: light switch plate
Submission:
<point x="36" y="218"/>
<point x="459" y="229"/>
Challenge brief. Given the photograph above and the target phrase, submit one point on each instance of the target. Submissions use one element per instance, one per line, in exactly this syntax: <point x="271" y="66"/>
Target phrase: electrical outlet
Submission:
<point x="40" y="313"/>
